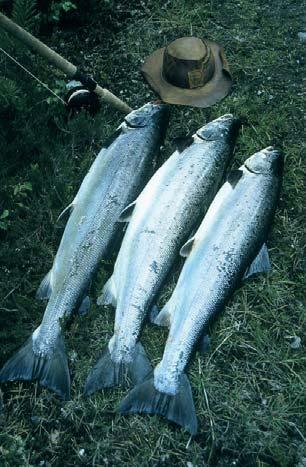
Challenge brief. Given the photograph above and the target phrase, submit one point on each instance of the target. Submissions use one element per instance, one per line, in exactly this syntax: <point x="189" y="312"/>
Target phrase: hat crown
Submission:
<point x="188" y="63"/>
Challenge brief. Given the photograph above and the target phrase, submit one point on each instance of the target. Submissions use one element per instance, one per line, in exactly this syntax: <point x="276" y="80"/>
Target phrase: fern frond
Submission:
<point x="9" y="93"/>
<point x="24" y="13"/>
<point x="6" y="41"/>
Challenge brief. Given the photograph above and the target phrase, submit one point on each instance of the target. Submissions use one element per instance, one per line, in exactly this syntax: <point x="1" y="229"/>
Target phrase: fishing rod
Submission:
<point x="61" y="63"/>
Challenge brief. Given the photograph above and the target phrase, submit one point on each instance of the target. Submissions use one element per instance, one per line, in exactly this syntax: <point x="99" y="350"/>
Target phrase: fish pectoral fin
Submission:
<point x="45" y="289"/>
<point x="85" y="306"/>
<point x="108" y="296"/>
<point x="186" y="249"/>
<point x="107" y="373"/>
<point x="51" y="370"/>
<point x="182" y="142"/>
<point x="126" y="214"/>
<point x="204" y="344"/>
<point x="261" y="263"/>
<point x="66" y="212"/>
<point x="234" y="176"/>
<point x="179" y="408"/>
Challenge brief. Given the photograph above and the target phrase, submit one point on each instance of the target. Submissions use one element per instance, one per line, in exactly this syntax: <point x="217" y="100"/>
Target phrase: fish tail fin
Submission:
<point x="106" y="373"/>
<point x="50" y="370"/>
<point x="179" y="408"/>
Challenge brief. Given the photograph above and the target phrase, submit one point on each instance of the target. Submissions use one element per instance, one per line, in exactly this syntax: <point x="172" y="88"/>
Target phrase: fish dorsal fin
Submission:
<point x="66" y="212"/>
<point x="261" y="263"/>
<point x="182" y="142"/>
<point x="126" y="214"/>
<point x="186" y="249"/>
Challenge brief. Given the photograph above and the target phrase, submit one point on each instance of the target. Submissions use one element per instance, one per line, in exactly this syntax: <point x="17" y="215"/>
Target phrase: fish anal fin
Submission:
<point x="85" y="306"/>
<point x="45" y="289"/>
<point x="108" y="296"/>
<point x="126" y="214"/>
<point x="204" y="344"/>
<point x="153" y="313"/>
<point x="261" y="263"/>
<point x="163" y="318"/>
<point x="187" y="247"/>
<point x="178" y="408"/>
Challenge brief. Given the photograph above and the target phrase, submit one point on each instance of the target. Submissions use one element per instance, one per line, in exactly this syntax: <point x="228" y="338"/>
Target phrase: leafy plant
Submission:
<point x="4" y="222"/>
<point x="57" y="9"/>
<point x="22" y="189"/>
<point x="9" y="94"/>
<point x="59" y="89"/>
<point x="25" y="14"/>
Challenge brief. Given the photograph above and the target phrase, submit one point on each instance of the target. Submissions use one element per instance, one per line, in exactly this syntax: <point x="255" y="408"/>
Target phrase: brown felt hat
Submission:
<point x="189" y="71"/>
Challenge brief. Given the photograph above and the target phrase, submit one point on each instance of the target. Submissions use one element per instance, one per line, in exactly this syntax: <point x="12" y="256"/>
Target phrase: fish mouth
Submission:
<point x="268" y="160"/>
<point x="224" y="127"/>
<point x="157" y="102"/>
<point x="139" y="118"/>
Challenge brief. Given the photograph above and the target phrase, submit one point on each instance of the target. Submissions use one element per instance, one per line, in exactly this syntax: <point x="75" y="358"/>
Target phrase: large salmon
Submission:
<point x="226" y="243"/>
<point x="115" y="178"/>
<point x="161" y="219"/>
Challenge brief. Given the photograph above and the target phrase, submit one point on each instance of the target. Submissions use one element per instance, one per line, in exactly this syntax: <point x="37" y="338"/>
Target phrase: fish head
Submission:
<point x="266" y="161"/>
<point x="147" y="115"/>
<point x="224" y="128"/>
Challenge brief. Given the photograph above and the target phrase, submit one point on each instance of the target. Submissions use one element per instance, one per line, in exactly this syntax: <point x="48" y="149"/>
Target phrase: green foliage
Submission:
<point x="4" y="222"/>
<point x="13" y="451"/>
<point x="9" y="94"/>
<point x="24" y="13"/>
<point x="58" y="8"/>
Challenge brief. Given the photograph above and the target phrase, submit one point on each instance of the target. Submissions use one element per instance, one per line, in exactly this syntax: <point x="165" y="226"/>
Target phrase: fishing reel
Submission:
<point x="80" y="98"/>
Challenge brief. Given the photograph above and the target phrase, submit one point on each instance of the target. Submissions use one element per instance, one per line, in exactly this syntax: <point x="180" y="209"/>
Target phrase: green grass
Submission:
<point x="249" y="390"/>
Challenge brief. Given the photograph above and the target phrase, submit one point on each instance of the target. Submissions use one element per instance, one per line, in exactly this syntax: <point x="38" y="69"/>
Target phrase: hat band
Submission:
<point x="188" y="74"/>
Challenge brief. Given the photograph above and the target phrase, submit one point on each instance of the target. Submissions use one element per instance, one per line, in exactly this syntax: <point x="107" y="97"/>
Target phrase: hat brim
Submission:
<point x="205" y="96"/>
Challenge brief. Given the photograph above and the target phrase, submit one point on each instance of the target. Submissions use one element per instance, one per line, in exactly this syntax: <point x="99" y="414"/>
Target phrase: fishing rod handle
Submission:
<point x="110" y="98"/>
<point x="57" y="60"/>
<point x="37" y="46"/>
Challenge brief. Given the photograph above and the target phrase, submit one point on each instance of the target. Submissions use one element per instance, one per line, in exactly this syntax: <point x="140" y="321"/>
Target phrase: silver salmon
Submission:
<point x="161" y="219"/>
<point x="115" y="178"/>
<point x="226" y="243"/>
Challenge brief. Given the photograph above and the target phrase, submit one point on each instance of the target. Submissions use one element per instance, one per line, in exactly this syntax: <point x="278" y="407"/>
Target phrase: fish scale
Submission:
<point x="162" y="218"/>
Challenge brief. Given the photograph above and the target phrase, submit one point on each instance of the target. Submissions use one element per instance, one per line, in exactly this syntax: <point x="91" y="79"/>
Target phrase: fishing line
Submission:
<point x="33" y="76"/>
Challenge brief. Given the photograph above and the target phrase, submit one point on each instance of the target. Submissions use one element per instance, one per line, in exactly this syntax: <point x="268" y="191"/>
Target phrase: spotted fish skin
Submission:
<point x="227" y="241"/>
<point x="231" y="234"/>
<point x="115" y="178"/>
<point x="163" y="216"/>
